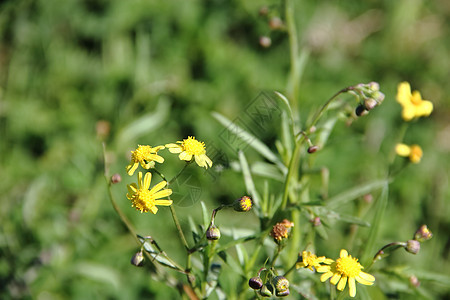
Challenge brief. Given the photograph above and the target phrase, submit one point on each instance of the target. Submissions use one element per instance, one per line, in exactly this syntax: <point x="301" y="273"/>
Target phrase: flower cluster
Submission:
<point x="141" y="196"/>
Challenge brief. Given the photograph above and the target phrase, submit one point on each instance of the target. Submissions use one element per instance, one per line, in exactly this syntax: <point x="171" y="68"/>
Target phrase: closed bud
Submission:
<point x="243" y="204"/>
<point x="412" y="246"/>
<point x="266" y="290"/>
<point x="138" y="259"/>
<point x="255" y="283"/>
<point x="265" y="41"/>
<point x="283" y="293"/>
<point x="280" y="283"/>
<point x="116" y="178"/>
<point x="360" y="111"/>
<point x="414" y="281"/>
<point x="275" y="23"/>
<point x="316" y="221"/>
<point x="263" y="11"/>
<point x="423" y="234"/>
<point x="370" y="103"/>
<point x="213" y="233"/>
<point x="313" y="149"/>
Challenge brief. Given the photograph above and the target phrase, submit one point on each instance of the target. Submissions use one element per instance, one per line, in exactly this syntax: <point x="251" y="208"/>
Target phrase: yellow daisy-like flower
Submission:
<point x="413" y="152"/>
<point x="413" y="104"/>
<point x="189" y="148"/>
<point x="345" y="269"/>
<point x="146" y="156"/>
<point x="311" y="261"/>
<point x="144" y="199"/>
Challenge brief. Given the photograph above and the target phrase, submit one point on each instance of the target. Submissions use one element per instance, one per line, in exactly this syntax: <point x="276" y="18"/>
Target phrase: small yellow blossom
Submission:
<point x="345" y="269"/>
<point x="146" y="156"/>
<point x="311" y="261"/>
<point x="144" y="199"/>
<point x="413" y="152"/>
<point x="189" y="148"/>
<point x="413" y="104"/>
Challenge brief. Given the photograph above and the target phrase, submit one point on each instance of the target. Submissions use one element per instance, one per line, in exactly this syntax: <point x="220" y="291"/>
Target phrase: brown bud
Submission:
<point x="138" y="259"/>
<point x="116" y="178"/>
<point x="265" y="41"/>
<point x="412" y="246"/>
<point x="255" y="283"/>
<point x="213" y="233"/>
<point x="313" y="149"/>
<point x="423" y="234"/>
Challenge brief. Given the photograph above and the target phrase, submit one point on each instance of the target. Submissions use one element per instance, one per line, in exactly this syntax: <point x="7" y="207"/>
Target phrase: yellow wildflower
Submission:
<point x="189" y="148"/>
<point x="311" y="261"/>
<point x="413" y="152"/>
<point x="413" y="104"/>
<point x="345" y="269"/>
<point x="144" y="199"/>
<point x="146" y="156"/>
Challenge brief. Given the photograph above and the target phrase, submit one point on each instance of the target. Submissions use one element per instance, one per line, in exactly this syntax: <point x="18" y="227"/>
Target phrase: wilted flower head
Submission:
<point x="280" y="231"/>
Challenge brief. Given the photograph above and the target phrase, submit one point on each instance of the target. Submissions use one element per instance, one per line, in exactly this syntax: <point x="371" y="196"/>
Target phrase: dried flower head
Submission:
<point x="280" y="231"/>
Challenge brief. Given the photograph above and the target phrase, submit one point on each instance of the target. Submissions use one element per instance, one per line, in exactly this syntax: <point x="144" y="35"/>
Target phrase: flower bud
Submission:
<point x="412" y="246"/>
<point x="138" y="259"/>
<point x="360" y="111"/>
<point x="265" y="41"/>
<point x="414" y="281"/>
<point x="243" y="204"/>
<point x="316" y="222"/>
<point x="263" y="11"/>
<point x="213" y="233"/>
<point x="275" y="23"/>
<point x="255" y="283"/>
<point x="283" y="293"/>
<point x="423" y="234"/>
<point x="116" y="178"/>
<point x="266" y="290"/>
<point x="280" y="283"/>
<point x="370" y="103"/>
<point x="313" y="149"/>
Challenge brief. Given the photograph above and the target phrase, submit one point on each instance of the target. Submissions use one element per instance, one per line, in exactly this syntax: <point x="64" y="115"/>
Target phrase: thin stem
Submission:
<point x="294" y="75"/>
<point x="325" y="106"/>
<point x="177" y="225"/>
<point x="179" y="173"/>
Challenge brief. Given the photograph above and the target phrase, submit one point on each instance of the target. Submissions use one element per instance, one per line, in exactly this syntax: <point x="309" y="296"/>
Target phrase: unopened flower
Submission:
<point x="213" y="233"/>
<point x="191" y="148"/>
<point x="144" y="199"/>
<point x="146" y="156"/>
<point x="138" y="259"/>
<point x="311" y="261"/>
<point x="412" y="103"/>
<point x="243" y="204"/>
<point x="116" y="178"/>
<point x="423" y="234"/>
<point x="413" y="152"/>
<point x="345" y="269"/>
<point x="412" y="246"/>
<point x="255" y="283"/>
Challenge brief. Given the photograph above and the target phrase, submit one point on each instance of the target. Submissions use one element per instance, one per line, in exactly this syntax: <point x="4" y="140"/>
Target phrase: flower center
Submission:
<point x="144" y="200"/>
<point x="348" y="266"/>
<point x="194" y="147"/>
<point x="311" y="260"/>
<point x="141" y="153"/>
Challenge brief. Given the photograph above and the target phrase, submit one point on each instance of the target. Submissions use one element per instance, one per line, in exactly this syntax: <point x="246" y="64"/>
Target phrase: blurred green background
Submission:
<point x="77" y="72"/>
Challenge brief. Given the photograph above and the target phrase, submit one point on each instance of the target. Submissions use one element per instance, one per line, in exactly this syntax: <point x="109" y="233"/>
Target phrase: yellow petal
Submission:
<point x="163" y="202"/>
<point x="147" y="180"/>
<point x="185" y="156"/>
<point x="323" y="269"/>
<point x="335" y="278"/>
<point x="352" y="287"/>
<point x="325" y="276"/>
<point x="404" y="93"/>
<point x="158" y="187"/>
<point x="163" y="193"/>
<point x="425" y="108"/>
<point x="402" y="150"/>
<point x="342" y="283"/>
<point x="153" y="210"/>
<point x="343" y="253"/>
<point x="366" y="276"/>
<point x="131" y="168"/>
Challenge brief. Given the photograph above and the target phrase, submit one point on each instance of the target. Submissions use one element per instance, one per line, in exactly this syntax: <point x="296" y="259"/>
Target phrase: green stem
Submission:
<point x="294" y="75"/>
<point x="177" y="225"/>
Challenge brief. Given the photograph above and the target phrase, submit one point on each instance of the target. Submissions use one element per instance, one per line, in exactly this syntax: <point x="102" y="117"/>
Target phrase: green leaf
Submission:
<point x="147" y="123"/>
<point x="254" y="142"/>
<point x="354" y="193"/>
<point x="229" y="260"/>
<point x="206" y="216"/>
<point x="380" y="209"/>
